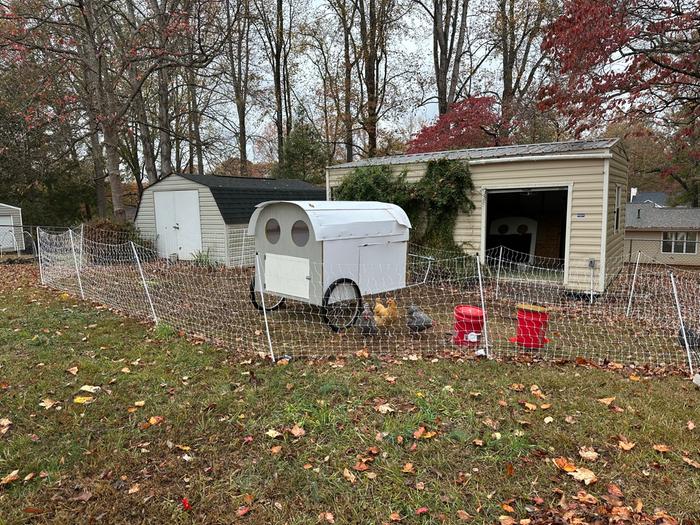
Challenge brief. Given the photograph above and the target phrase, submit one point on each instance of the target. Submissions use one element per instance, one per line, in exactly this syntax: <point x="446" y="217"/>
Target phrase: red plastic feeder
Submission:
<point x="469" y="324"/>
<point x="532" y="325"/>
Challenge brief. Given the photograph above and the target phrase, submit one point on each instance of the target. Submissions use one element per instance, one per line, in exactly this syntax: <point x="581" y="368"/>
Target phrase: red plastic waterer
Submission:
<point x="469" y="324"/>
<point x="532" y="326"/>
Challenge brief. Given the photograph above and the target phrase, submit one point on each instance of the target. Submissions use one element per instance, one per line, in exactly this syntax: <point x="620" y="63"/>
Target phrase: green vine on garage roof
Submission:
<point x="433" y="203"/>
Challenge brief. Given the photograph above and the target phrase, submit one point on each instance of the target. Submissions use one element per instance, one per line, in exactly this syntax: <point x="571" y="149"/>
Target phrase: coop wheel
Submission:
<point x="272" y="302"/>
<point x="342" y="303"/>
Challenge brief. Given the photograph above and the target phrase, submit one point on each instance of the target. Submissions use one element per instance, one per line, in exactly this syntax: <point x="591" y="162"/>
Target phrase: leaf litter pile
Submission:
<point x="107" y="420"/>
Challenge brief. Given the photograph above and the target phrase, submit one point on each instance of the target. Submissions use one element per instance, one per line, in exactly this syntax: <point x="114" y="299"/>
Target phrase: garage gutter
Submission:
<point x="573" y="156"/>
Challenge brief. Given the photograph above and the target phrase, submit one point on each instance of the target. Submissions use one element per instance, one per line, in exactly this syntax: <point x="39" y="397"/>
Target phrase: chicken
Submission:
<point x="366" y="323"/>
<point x="417" y="320"/>
<point x="385" y="315"/>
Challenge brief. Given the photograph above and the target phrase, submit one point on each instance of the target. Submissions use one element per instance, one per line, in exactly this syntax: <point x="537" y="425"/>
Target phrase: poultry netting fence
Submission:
<point x="503" y="304"/>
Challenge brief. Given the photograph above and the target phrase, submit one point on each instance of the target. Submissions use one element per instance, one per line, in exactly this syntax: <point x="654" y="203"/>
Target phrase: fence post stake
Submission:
<point x="634" y="281"/>
<point x="498" y="270"/>
<point x="262" y="301"/>
<point x="75" y="262"/>
<point x="680" y="319"/>
<point x="38" y="247"/>
<point x="143" y="281"/>
<point x="592" y="280"/>
<point x="483" y="306"/>
<point x="242" y="248"/>
<point x="82" y="236"/>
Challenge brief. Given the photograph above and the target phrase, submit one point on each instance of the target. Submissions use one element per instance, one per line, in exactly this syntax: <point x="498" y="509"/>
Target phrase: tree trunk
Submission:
<point x="347" y="92"/>
<point x="99" y="167"/>
<point x="149" y="156"/>
<point x="111" y="140"/>
<point x="166" y="161"/>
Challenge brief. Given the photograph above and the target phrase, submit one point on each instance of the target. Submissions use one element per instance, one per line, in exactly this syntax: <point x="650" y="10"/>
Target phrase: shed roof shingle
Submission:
<point x="237" y="197"/>
<point x="649" y="217"/>
<point x="519" y="150"/>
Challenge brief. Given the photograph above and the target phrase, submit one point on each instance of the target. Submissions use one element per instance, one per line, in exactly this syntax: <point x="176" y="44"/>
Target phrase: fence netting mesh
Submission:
<point x="506" y="304"/>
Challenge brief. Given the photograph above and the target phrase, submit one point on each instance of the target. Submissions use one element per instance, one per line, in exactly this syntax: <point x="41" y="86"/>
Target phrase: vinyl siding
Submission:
<point x="649" y="243"/>
<point x="585" y="175"/>
<point x="615" y="245"/>
<point x="16" y="215"/>
<point x="214" y="238"/>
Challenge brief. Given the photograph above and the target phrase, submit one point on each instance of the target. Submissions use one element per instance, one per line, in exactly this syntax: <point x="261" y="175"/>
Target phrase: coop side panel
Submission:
<point x="212" y="224"/>
<point x="16" y="215"/>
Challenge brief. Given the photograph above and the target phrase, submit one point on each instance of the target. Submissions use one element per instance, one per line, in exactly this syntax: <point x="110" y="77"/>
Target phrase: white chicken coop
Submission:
<point x="328" y="253"/>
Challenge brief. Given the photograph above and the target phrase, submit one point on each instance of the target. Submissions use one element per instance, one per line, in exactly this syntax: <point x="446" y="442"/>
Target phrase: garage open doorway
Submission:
<point x="530" y="224"/>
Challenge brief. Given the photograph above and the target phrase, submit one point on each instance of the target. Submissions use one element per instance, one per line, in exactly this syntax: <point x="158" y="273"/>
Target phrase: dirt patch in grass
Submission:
<point x="354" y="440"/>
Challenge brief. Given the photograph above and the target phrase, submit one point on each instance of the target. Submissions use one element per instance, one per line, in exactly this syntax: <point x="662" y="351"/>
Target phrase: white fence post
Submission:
<point x="634" y="281"/>
<point x="82" y="236"/>
<point x="143" y="281"/>
<point x="75" y="262"/>
<point x="483" y="307"/>
<point x="262" y="301"/>
<point x="680" y="319"/>
<point x="498" y="270"/>
<point x="242" y="248"/>
<point x="38" y="249"/>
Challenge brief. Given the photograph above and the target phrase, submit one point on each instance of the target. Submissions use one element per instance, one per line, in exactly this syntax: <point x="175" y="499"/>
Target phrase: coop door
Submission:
<point x="287" y="275"/>
<point x="382" y="267"/>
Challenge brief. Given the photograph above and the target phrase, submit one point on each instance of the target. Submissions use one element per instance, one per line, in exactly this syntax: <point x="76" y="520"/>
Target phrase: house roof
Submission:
<point x="646" y="216"/>
<point x="236" y="197"/>
<point x="333" y="220"/>
<point x="519" y="150"/>
<point x="656" y="197"/>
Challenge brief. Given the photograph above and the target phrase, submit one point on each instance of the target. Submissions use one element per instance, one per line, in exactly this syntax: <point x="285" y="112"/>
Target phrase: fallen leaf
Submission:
<point x="408" y="468"/>
<point x="585" y="497"/>
<point x="83" y="496"/>
<point x="422" y="510"/>
<point x="276" y="449"/>
<point x="690" y="425"/>
<point x="134" y="488"/>
<point x="47" y="403"/>
<point x="607" y="401"/>
<point x="83" y="400"/>
<point x="463" y="515"/>
<point x="691" y="462"/>
<point x="662" y="448"/>
<point x="583" y="474"/>
<point x="90" y="388"/>
<point x="384" y="408"/>
<point x="73" y="370"/>
<point x="297" y="431"/>
<point x="327" y="517"/>
<point x="548" y="419"/>
<point x="272" y="433"/>
<point x="506" y="520"/>
<point x="349" y="476"/>
<point x="564" y="464"/>
<point x="360" y="466"/>
<point x="588" y="453"/>
<point x="156" y="420"/>
<point x="11" y="477"/>
<point x="394" y="516"/>
<point x="139" y="403"/>
<point x="517" y="387"/>
<point x="242" y="511"/>
<point x="625" y="444"/>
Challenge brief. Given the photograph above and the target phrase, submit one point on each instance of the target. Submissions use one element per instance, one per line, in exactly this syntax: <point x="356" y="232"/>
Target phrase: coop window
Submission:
<point x="272" y="231"/>
<point x="300" y="233"/>
<point x="679" y="242"/>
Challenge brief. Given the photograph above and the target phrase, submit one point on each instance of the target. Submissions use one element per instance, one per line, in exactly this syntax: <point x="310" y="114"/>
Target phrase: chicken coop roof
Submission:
<point x="333" y="220"/>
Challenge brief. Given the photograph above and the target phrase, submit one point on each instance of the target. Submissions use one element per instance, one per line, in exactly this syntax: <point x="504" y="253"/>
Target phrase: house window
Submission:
<point x="618" y="203"/>
<point x="679" y="242"/>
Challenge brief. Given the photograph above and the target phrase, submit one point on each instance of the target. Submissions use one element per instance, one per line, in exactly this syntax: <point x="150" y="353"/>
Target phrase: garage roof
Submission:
<point x="332" y="220"/>
<point x="649" y="217"/>
<point x="237" y="197"/>
<point x="516" y="150"/>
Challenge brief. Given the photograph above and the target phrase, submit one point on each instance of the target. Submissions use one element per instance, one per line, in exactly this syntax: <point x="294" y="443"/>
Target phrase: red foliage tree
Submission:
<point x="473" y="122"/>
<point x="624" y="57"/>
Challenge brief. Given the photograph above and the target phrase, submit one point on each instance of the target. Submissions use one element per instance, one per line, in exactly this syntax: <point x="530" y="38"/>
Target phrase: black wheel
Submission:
<point x="342" y="303"/>
<point x="272" y="302"/>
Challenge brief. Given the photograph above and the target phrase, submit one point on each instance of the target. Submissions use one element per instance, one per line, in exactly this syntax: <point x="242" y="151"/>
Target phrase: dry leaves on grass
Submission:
<point x="625" y="444"/>
<point x="10" y="478"/>
<point x="588" y="453"/>
<point x="384" y="408"/>
<point x="5" y="425"/>
<point x="662" y="448"/>
<point x="578" y="473"/>
<point x="297" y="431"/>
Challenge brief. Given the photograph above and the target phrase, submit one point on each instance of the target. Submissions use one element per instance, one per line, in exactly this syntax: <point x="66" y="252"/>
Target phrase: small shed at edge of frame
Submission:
<point x="304" y="248"/>
<point x="11" y="235"/>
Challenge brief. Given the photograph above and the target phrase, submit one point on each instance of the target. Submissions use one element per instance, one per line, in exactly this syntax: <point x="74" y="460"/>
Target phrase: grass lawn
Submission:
<point x="362" y="440"/>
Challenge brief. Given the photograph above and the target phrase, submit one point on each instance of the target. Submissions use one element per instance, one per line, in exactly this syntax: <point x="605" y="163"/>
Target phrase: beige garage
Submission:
<point x="568" y="196"/>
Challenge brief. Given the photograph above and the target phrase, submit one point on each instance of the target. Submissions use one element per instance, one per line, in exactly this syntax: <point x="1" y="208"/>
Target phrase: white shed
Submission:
<point x="324" y="253"/>
<point x="11" y="234"/>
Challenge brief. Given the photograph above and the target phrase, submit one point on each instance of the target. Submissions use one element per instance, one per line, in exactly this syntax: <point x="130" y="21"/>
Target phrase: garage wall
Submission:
<point x="214" y="235"/>
<point x="16" y="214"/>
<point x="615" y="247"/>
<point x="586" y="176"/>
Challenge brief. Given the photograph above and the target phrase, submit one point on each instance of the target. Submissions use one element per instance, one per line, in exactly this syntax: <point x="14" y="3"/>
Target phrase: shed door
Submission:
<point x="7" y="239"/>
<point x="177" y="223"/>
